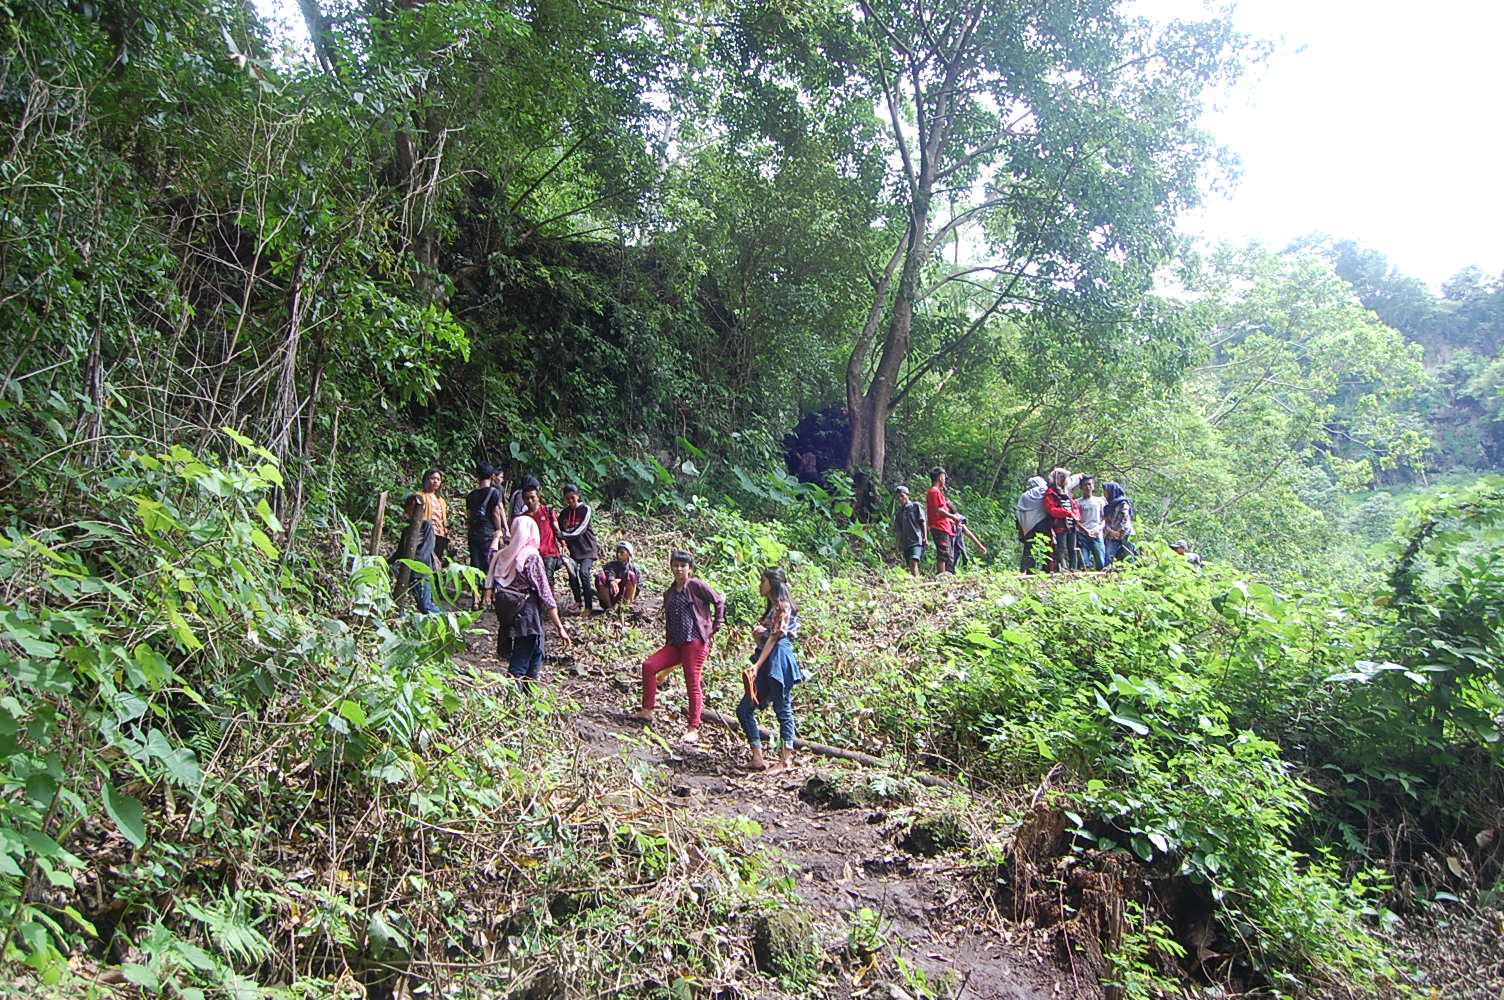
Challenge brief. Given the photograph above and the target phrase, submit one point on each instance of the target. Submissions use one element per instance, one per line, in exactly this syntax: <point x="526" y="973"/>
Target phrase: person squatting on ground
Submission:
<point x="774" y="671"/>
<point x="692" y="614"/>
<point x="1091" y="507"/>
<point x="909" y="525"/>
<point x="942" y="525"/>
<point x="1117" y="523"/>
<point x="617" y="582"/>
<point x="1065" y="518"/>
<point x="582" y="548"/>
<point x="483" y="521"/>
<point x="522" y="593"/>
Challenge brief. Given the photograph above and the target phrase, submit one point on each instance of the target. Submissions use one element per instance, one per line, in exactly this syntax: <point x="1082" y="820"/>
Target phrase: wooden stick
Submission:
<point x="855" y="756"/>
<point x="374" y="548"/>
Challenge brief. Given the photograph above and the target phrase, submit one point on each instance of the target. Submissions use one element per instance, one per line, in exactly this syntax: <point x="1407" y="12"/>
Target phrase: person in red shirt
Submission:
<point x="942" y="522"/>
<point x="1065" y="520"/>
<point x="548" y="532"/>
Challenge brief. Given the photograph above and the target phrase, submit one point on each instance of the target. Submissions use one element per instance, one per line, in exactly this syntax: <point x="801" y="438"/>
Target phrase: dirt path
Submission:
<point x="843" y="859"/>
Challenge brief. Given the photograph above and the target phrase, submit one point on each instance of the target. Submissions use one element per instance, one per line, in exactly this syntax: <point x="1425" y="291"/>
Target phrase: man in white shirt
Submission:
<point x="1091" y="522"/>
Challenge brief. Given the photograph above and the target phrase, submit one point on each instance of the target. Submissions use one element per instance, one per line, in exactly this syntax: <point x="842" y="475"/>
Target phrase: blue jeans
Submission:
<point x="1096" y="548"/>
<point x="423" y="595"/>
<point x="1118" y="547"/>
<point x="526" y="660"/>
<point x="782" y="699"/>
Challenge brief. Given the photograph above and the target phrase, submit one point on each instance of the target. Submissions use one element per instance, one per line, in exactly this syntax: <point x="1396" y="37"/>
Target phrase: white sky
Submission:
<point x="1376" y="121"/>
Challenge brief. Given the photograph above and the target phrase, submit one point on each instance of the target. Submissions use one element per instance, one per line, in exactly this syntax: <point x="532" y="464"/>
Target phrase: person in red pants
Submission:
<point x="693" y="612"/>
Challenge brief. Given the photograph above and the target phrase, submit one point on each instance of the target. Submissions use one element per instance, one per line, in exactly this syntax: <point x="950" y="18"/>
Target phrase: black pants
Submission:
<point x="581" y="582"/>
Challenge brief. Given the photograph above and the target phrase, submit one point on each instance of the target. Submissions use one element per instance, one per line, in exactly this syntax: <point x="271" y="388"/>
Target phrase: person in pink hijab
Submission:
<point x="520" y="582"/>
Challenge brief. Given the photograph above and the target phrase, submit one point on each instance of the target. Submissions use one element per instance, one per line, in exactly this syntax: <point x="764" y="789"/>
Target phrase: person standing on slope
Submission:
<point x="774" y="671"/>
<point x="522" y="594"/>
<point x="693" y="612"/>
<point x="909" y="525"/>
<point x="941" y="521"/>
<point x="1065" y="519"/>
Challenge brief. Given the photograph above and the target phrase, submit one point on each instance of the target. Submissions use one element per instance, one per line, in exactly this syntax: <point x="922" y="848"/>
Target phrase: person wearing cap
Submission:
<point x="617" y="582"/>
<point x="693" y="612"/>
<point x="910" y="526"/>
<point x="1184" y="549"/>
<point x="581" y="547"/>
<point x="484" y="513"/>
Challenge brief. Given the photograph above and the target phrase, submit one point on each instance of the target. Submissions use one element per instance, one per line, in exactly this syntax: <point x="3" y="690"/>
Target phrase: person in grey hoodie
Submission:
<point x="1031" y="520"/>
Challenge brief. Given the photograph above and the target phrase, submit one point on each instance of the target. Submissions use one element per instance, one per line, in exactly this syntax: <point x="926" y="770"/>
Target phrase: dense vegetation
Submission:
<point x="248" y="287"/>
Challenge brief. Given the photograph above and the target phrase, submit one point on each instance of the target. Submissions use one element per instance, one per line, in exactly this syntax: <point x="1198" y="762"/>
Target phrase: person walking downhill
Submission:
<point x="583" y="550"/>
<point x="774" y="671"/>
<point x="909" y="526"/>
<point x="1032" y="521"/>
<point x="1065" y="518"/>
<point x="693" y="612"/>
<point x="941" y="521"/>
<point x="1117" y="524"/>
<point x="522" y="594"/>
<point x="484" y="519"/>
<point x="1091" y="507"/>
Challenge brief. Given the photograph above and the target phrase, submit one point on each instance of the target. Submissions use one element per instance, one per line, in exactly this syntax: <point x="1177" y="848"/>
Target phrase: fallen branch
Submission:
<point x="856" y="756"/>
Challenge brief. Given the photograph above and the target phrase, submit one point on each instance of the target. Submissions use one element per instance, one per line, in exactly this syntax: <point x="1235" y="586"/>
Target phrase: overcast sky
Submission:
<point x="1375" y="120"/>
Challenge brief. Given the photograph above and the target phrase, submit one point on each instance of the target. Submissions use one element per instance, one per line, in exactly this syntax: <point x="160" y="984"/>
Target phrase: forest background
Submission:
<point x="655" y="250"/>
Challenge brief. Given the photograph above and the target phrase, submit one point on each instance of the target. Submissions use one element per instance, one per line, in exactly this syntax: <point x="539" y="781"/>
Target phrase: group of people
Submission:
<point x="937" y="522"/>
<point x="1072" y="533"/>
<point x="520" y="543"/>
<point x="1057" y="529"/>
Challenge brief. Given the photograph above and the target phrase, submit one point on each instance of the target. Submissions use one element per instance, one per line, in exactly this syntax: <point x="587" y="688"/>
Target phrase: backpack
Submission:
<point x="510" y="599"/>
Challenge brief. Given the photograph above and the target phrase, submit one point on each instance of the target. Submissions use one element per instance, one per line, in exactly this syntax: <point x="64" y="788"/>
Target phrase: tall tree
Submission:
<point x="1053" y="143"/>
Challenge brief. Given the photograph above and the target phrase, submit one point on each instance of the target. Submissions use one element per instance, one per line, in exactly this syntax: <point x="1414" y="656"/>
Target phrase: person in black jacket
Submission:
<point x="484" y="513"/>
<point x="581" y="548"/>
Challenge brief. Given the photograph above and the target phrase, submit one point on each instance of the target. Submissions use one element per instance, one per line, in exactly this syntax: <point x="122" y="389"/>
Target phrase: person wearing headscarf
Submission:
<point x="1117" y="522"/>
<point x="1031" y="520"/>
<point x="1064" y="519"/>
<point x="518" y="566"/>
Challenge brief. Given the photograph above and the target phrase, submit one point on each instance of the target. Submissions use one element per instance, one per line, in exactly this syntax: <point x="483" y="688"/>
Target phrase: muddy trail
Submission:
<point x="854" y="839"/>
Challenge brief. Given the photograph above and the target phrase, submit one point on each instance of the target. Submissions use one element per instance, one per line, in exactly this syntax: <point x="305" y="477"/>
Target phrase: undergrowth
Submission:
<point x="225" y="771"/>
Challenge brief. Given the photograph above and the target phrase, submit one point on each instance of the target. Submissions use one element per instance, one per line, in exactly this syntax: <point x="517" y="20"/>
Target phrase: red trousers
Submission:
<point x="692" y="656"/>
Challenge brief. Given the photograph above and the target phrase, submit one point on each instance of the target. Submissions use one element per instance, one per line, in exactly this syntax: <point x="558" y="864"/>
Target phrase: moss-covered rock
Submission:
<point x="935" y="834"/>
<point x="783" y="942"/>
<point x="838" y="790"/>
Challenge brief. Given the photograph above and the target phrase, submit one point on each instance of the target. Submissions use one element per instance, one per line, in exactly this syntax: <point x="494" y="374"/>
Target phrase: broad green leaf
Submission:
<point x="128" y="815"/>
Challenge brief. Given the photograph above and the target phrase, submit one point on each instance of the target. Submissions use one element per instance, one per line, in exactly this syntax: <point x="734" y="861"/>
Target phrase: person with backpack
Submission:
<point x="548" y="531"/>
<point x="583" y="550"/>
<point x="1032" y="521"/>
<point x="910" y="527"/>
<point x="484" y="518"/>
<point x="522" y="595"/>
<point x="517" y="505"/>
<point x="774" y="671"/>
<point x="693" y="612"/>
<point x="1064" y="518"/>
<point x="1117" y="523"/>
